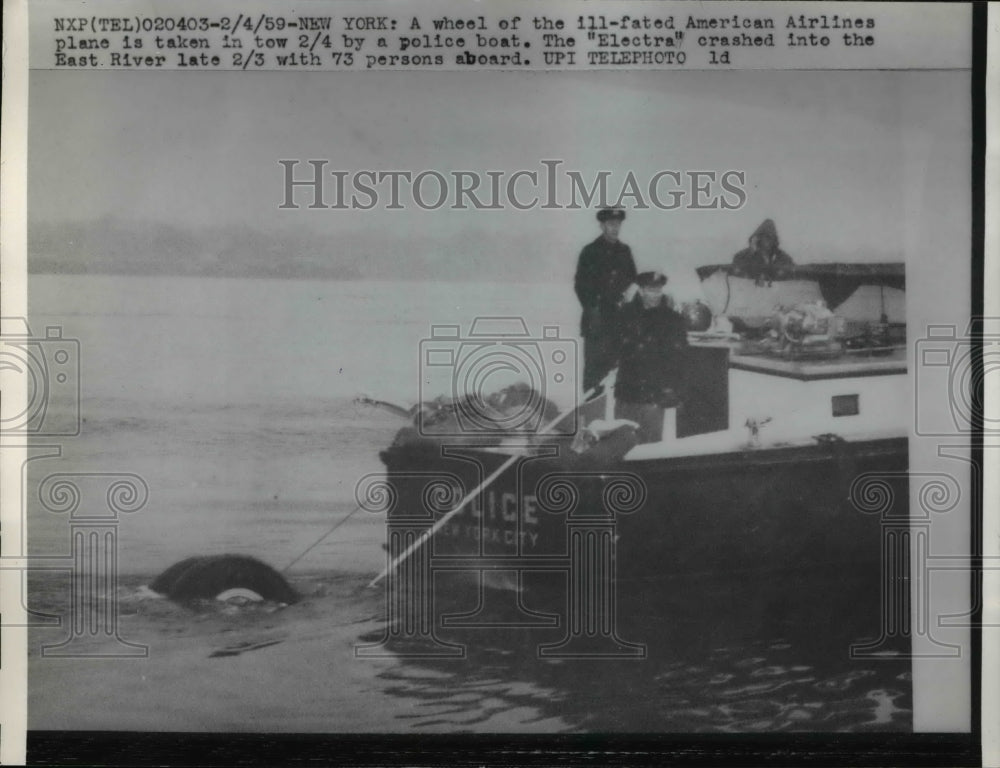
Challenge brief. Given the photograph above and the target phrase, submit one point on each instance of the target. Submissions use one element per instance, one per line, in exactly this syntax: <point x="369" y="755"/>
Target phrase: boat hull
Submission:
<point x="803" y="527"/>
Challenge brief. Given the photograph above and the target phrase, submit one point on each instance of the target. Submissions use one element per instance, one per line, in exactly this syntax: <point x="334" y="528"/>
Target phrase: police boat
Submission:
<point x="785" y="466"/>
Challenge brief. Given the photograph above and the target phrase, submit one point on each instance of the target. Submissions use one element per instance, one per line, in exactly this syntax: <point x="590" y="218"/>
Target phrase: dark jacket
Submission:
<point x="754" y="263"/>
<point x="653" y="354"/>
<point x="603" y="272"/>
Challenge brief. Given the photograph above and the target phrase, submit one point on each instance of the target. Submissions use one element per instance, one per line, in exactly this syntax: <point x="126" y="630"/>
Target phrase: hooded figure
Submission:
<point x="763" y="260"/>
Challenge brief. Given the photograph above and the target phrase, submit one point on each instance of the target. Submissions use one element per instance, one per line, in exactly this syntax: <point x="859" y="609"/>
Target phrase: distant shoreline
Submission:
<point x="452" y="279"/>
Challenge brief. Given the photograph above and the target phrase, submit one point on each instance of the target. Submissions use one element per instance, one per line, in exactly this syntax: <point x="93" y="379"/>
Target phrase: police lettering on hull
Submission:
<point x="498" y="518"/>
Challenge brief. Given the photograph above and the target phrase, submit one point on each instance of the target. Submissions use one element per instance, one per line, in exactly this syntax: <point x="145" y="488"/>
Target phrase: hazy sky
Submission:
<point x="828" y="155"/>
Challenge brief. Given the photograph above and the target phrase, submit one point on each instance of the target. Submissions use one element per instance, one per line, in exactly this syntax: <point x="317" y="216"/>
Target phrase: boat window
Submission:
<point x="845" y="405"/>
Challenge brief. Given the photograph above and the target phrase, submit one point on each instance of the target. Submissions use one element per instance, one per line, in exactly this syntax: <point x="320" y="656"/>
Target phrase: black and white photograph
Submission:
<point x="431" y="371"/>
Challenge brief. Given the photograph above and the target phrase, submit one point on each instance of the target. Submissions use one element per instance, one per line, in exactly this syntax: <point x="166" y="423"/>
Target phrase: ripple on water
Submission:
<point x="843" y="681"/>
<point x="772" y="671"/>
<point x="887" y="709"/>
<point x="722" y="677"/>
<point x="799" y="715"/>
<point x="771" y="686"/>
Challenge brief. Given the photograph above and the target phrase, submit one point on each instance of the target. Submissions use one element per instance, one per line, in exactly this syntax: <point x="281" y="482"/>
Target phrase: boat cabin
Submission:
<point x="820" y="355"/>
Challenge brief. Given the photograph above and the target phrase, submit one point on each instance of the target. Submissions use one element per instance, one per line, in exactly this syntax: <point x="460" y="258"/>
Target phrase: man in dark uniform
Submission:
<point x="652" y="363"/>
<point x="604" y="271"/>
<point x="763" y="260"/>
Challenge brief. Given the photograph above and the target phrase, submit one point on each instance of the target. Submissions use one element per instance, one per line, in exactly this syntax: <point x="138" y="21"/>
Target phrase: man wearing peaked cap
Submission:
<point x="651" y="279"/>
<point x="610" y="214"/>
<point x="604" y="271"/>
<point x="652" y="364"/>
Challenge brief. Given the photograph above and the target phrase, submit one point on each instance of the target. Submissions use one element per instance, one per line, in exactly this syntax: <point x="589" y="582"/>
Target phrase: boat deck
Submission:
<point x="848" y="365"/>
<point x="736" y="441"/>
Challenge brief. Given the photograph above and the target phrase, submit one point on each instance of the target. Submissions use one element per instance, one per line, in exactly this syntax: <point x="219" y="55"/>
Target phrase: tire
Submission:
<point x="205" y="578"/>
